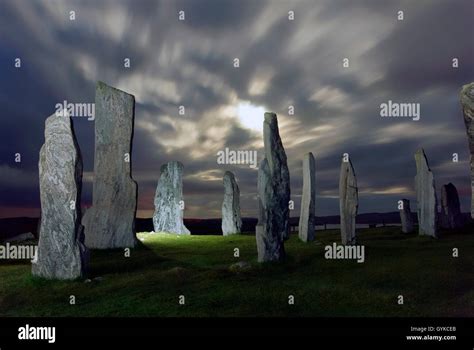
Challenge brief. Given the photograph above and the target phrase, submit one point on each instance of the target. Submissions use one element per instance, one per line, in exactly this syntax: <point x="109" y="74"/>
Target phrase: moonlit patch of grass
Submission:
<point x="165" y="266"/>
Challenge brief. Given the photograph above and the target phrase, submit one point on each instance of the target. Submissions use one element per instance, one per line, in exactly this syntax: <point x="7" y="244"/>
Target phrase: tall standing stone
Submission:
<point x="451" y="216"/>
<point x="406" y="216"/>
<point x="467" y="102"/>
<point x="307" y="224"/>
<point x="270" y="243"/>
<point x="110" y="222"/>
<point x="426" y="196"/>
<point x="348" y="202"/>
<point x="231" y="220"/>
<point x="61" y="253"/>
<point x="274" y="195"/>
<point x="169" y="204"/>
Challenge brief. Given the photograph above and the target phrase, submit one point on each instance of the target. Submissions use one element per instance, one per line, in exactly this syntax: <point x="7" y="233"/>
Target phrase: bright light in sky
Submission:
<point x="250" y="116"/>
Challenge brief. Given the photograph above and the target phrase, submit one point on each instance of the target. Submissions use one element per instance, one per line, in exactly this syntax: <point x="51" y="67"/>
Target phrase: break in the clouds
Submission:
<point x="282" y="63"/>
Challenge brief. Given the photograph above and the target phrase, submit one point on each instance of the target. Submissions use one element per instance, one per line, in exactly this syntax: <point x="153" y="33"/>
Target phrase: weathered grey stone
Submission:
<point x="406" y="217"/>
<point x="274" y="195"/>
<point x="426" y="196"/>
<point x="467" y="102"/>
<point x="348" y="202"/>
<point x="168" y="216"/>
<point x="270" y="243"/>
<point x="278" y="196"/>
<point x="61" y="253"/>
<point x="231" y="220"/>
<point x="110" y="222"/>
<point x="451" y="216"/>
<point x="307" y="222"/>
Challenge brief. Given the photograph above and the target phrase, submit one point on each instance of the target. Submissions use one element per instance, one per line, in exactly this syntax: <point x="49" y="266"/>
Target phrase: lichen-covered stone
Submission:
<point x="348" y="202"/>
<point x="426" y="196"/>
<point x="270" y="243"/>
<point x="110" y="222"/>
<point x="451" y="217"/>
<point x="406" y="217"/>
<point x="274" y="195"/>
<point x="61" y="253"/>
<point x="231" y="220"/>
<point x="169" y="204"/>
<point x="467" y="102"/>
<point x="307" y="223"/>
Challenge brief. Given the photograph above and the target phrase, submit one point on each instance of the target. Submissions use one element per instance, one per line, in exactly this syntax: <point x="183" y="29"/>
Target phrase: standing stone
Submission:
<point x="451" y="216"/>
<point x="61" y="253"/>
<point x="169" y="204"/>
<point x="270" y="243"/>
<point x="110" y="222"/>
<point x="274" y="195"/>
<point x="426" y="196"/>
<point x="348" y="202"/>
<point x="307" y="224"/>
<point x="406" y="217"/>
<point x="231" y="220"/>
<point x="278" y="197"/>
<point x="467" y="102"/>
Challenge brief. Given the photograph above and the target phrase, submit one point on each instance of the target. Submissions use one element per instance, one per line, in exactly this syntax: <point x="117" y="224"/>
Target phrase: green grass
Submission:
<point x="148" y="283"/>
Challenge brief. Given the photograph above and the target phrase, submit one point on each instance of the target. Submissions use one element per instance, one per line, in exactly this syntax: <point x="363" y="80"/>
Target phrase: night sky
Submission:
<point x="282" y="63"/>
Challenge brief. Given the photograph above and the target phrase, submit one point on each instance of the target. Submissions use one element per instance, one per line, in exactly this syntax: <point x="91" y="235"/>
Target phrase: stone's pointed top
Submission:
<point x="172" y="164"/>
<point x="467" y="95"/>
<point x="103" y="86"/>
<point x="309" y="154"/>
<point x="229" y="174"/>
<point x="350" y="167"/>
<point x="57" y="124"/>
<point x="419" y="156"/>
<point x="58" y="117"/>
<point x="420" y="150"/>
<point x="270" y="117"/>
<point x="61" y="113"/>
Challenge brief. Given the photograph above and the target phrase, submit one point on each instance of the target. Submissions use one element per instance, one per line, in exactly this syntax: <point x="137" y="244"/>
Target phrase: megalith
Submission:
<point x="406" y="216"/>
<point x="231" y="220"/>
<point x="348" y="202"/>
<point x="467" y="102"/>
<point x="274" y="194"/>
<point x="451" y="217"/>
<point x="307" y="223"/>
<point x="169" y="203"/>
<point x="110" y="222"/>
<point x="60" y="253"/>
<point x="426" y="196"/>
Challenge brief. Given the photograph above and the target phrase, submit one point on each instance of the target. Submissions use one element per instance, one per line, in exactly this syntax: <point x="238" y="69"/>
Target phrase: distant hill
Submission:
<point x="10" y="227"/>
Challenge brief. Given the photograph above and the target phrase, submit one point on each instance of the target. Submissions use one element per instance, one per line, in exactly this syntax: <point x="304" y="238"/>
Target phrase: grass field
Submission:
<point x="150" y="281"/>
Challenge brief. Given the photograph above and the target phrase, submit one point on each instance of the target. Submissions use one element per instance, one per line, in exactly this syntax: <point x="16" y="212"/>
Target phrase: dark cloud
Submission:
<point x="295" y="63"/>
